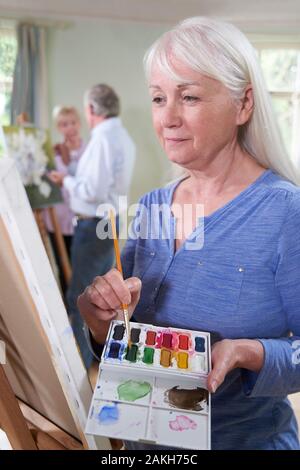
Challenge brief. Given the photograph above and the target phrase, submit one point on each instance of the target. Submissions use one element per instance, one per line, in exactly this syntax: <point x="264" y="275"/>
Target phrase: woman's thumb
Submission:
<point x="134" y="284"/>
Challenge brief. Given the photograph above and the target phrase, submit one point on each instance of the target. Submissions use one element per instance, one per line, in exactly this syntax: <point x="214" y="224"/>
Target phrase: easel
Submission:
<point x="43" y="366"/>
<point x="60" y="244"/>
<point x="25" y="428"/>
<point x="11" y="419"/>
<point x="23" y="119"/>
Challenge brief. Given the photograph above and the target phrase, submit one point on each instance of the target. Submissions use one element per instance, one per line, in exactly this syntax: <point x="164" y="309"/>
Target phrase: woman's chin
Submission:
<point x="181" y="161"/>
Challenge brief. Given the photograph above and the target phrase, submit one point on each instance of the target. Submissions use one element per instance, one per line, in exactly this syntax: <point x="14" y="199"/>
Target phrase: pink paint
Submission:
<point x="167" y="339"/>
<point x="174" y="340"/>
<point x="182" y="423"/>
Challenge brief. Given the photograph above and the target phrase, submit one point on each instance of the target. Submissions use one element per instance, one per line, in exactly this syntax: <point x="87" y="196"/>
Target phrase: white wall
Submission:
<point x="95" y="51"/>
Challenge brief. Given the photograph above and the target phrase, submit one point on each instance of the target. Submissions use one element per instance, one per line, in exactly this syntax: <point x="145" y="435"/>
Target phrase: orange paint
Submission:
<point x="151" y="337"/>
<point x="183" y="342"/>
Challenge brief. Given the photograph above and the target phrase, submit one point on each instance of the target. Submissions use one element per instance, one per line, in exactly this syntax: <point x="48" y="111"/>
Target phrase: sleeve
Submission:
<point x="92" y="184"/>
<point x="280" y="374"/>
<point x="95" y="348"/>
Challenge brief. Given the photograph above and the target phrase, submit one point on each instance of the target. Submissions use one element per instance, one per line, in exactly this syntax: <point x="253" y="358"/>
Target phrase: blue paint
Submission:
<point x="109" y="414"/>
<point x="200" y="344"/>
<point x="115" y="350"/>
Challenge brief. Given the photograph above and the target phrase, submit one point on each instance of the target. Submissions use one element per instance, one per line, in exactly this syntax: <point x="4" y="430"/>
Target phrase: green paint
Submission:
<point x="131" y="353"/>
<point x="132" y="391"/>
<point x="148" y="355"/>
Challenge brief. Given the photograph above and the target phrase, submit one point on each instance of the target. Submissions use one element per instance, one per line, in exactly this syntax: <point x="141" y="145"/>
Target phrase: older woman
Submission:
<point x="212" y="115"/>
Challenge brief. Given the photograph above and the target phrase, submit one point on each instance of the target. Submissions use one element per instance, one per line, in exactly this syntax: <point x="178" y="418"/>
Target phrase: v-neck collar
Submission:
<point x="207" y="221"/>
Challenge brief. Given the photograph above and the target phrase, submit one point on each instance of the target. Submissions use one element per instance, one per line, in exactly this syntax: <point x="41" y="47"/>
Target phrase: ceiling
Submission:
<point x="272" y="16"/>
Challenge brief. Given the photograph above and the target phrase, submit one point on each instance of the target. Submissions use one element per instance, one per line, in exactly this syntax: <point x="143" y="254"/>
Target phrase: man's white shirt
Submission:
<point x="105" y="169"/>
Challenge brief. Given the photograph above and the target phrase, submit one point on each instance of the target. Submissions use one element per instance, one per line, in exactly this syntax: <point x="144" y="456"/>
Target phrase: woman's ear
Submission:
<point x="246" y="106"/>
<point x="91" y="109"/>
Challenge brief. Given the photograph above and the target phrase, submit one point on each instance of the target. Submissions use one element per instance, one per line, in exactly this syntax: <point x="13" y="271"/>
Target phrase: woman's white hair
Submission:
<point x="219" y="50"/>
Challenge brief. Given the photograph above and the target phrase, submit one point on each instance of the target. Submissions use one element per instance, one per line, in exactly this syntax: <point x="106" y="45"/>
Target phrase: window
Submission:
<point x="8" y="52"/>
<point x="281" y="68"/>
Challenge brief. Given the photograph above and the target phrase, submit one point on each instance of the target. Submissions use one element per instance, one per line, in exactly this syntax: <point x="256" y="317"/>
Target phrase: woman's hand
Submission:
<point x="64" y="151"/>
<point x="101" y="301"/>
<point x="56" y="177"/>
<point x="231" y="354"/>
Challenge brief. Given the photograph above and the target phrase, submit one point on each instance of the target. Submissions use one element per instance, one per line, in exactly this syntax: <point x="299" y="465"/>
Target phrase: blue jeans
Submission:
<point x="90" y="257"/>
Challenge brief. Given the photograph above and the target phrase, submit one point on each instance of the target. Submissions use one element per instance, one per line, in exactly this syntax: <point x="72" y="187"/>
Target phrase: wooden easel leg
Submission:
<point x="11" y="419"/>
<point x="44" y="235"/>
<point x="61" y="248"/>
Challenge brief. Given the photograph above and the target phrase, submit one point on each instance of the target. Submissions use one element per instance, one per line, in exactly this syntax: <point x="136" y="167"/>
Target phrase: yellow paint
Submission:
<point x="183" y="360"/>
<point x="165" y="358"/>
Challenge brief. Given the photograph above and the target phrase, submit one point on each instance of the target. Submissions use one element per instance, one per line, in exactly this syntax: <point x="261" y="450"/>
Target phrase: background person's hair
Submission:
<point x="220" y="51"/>
<point x="104" y="100"/>
<point x="61" y="111"/>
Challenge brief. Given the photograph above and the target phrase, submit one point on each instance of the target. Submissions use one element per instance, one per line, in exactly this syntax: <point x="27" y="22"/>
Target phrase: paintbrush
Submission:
<point x="119" y="268"/>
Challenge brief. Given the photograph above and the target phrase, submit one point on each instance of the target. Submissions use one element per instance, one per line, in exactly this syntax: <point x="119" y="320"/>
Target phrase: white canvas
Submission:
<point x="44" y="366"/>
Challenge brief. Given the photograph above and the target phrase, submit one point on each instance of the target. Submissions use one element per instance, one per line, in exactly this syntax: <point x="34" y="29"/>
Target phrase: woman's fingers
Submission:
<point x="216" y="378"/>
<point x="101" y="301"/>
<point x="119" y="289"/>
<point x="223" y="361"/>
<point x="113" y="290"/>
<point x="107" y="297"/>
<point x="94" y="296"/>
<point x="134" y="284"/>
<point x="92" y="313"/>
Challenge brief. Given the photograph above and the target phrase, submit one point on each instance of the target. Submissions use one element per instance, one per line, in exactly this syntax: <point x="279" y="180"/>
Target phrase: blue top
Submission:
<point x="244" y="282"/>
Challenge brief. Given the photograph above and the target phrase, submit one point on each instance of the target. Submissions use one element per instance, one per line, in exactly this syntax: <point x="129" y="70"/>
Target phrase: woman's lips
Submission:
<point x="175" y="140"/>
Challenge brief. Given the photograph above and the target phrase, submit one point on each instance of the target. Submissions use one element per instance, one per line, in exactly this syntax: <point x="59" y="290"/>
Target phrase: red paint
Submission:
<point x="183" y="342"/>
<point x="167" y="340"/>
<point x="150" y="338"/>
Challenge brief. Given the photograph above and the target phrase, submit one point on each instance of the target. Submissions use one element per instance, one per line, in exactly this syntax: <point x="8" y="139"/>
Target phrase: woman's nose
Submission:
<point x="171" y="116"/>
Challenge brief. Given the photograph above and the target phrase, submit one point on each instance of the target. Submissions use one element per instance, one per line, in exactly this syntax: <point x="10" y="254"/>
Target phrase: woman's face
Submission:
<point x="68" y="125"/>
<point x="195" y="122"/>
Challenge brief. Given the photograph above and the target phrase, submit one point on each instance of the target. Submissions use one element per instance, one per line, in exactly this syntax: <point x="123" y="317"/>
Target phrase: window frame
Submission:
<point x="7" y="29"/>
<point x="262" y="42"/>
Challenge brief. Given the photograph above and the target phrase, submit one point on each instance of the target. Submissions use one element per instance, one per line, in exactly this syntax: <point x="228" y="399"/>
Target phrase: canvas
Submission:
<point x="31" y="149"/>
<point x="43" y="365"/>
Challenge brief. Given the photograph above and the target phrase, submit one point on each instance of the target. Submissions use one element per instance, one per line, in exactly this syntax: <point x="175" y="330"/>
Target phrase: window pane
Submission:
<point x="284" y="111"/>
<point x="280" y="68"/>
<point x="8" y="51"/>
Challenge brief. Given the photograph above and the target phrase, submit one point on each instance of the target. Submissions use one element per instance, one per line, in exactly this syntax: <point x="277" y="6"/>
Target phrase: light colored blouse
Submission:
<point x="63" y="211"/>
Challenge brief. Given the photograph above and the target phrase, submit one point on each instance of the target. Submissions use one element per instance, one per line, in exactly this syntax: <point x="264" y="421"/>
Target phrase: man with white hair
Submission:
<point x="103" y="175"/>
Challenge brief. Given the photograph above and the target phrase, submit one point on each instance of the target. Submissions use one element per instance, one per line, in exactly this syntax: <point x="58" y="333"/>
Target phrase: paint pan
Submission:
<point x="150" y="338"/>
<point x="119" y="331"/>
<point x="148" y="355"/>
<point x="156" y="390"/>
<point x="167" y="349"/>
<point x="135" y="335"/>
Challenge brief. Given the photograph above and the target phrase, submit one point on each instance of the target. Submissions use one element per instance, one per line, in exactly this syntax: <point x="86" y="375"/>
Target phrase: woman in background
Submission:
<point x="67" y="155"/>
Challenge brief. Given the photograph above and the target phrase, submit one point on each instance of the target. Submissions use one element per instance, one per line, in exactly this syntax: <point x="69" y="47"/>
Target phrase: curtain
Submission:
<point x="30" y="88"/>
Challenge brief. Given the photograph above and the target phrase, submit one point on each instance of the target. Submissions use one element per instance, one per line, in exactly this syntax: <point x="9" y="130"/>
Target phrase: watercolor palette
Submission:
<point x="155" y="392"/>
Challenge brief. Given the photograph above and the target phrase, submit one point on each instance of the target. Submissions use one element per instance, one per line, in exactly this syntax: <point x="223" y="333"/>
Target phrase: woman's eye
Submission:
<point x="190" y="98"/>
<point x="157" y="99"/>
